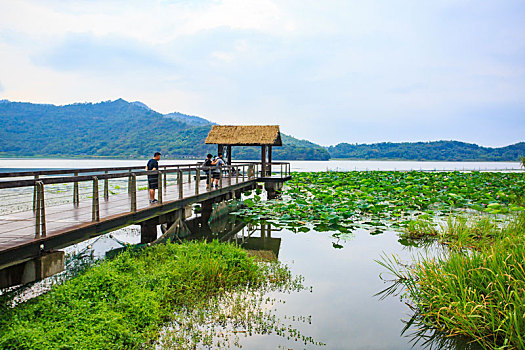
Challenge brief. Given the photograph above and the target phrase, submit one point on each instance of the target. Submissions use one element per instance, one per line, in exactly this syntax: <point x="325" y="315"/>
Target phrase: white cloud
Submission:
<point x="327" y="71"/>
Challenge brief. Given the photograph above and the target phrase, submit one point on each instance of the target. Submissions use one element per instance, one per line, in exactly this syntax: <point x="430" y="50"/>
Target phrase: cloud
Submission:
<point x="86" y="52"/>
<point x="1" y="87"/>
<point x="330" y="71"/>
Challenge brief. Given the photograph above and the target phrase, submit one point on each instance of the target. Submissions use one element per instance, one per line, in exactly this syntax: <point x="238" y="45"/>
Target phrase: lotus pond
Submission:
<point x="473" y="284"/>
<point x="376" y="200"/>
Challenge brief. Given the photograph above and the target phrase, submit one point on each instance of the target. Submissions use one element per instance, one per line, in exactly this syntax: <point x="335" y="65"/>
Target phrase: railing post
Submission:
<point x="220" y="177"/>
<point x="106" y="187"/>
<point x="197" y="179"/>
<point x="229" y="175"/>
<point x="76" y="197"/>
<point x="209" y="187"/>
<point x="160" y="186"/>
<point x="243" y="172"/>
<point x="40" y="215"/>
<point x="237" y="175"/>
<point x="129" y="182"/>
<point x="282" y="170"/>
<point x="165" y="179"/>
<point x="35" y="190"/>
<point x="42" y="209"/>
<point x="95" y="205"/>
<point x="189" y="174"/>
<point x="179" y="183"/>
<point x="133" y="189"/>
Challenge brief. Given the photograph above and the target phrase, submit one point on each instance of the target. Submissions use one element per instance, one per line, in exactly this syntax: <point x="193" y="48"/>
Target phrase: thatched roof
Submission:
<point x="245" y="135"/>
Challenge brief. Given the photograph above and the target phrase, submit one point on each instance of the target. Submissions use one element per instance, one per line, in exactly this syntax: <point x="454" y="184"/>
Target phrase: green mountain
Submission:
<point x="436" y="150"/>
<point x="133" y="130"/>
<point x="118" y="129"/>
<point x="189" y="119"/>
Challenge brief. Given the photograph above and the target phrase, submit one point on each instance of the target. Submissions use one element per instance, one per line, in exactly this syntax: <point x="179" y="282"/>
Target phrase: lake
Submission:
<point x="10" y="164"/>
<point x="343" y="308"/>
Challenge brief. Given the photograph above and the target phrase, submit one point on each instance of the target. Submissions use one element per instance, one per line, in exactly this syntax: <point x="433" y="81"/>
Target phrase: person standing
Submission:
<point x="207" y="163"/>
<point x="216" y="173"/>
<point x="153" y="180"/>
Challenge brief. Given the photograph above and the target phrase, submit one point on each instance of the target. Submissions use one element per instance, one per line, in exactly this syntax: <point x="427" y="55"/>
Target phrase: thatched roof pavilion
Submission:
<point x="245" y="135"/>
<point x="265" y="136"/>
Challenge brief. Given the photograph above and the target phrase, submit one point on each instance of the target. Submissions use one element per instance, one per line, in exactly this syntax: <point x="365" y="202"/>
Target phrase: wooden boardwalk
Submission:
<point x="15" y="229"/>
<point x="24" y="236"/>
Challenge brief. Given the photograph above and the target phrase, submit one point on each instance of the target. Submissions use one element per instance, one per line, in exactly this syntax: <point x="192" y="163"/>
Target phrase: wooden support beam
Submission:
<point x="263" y="160"/>
<point x="95" y="205"/>
<point x="160" y="186"/>
<point x="133" y="189"/>
<point x="106" y="187"/>
<point x="229" y="148"/>
<point x="76" y="198"/>
<point x="270" y="160"/>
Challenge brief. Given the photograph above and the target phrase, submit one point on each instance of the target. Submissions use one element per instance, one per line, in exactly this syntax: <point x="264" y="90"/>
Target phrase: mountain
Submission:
<point x="189" y="119"/>
<point x="140" y="104"/>
<point x="133" y="130"/>
<point x="115" y="129"/>
<point x="435" y="150"/>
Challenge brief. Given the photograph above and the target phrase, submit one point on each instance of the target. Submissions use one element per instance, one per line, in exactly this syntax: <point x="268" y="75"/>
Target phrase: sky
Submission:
<point x="327" y="71"/>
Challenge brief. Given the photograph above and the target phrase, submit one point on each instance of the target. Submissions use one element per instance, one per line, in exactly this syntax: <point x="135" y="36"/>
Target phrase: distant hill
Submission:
<point x="116" y="129"/>
<point x="436" y="151"/>
<point x="189" y="119"/>
<point x="141" y="104"/>
<point x="133" y="130"/>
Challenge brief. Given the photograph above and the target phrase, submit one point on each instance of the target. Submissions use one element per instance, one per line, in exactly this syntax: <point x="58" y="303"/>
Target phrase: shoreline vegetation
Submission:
<point x="124" y="303"/>
<point x="477" y="288"/>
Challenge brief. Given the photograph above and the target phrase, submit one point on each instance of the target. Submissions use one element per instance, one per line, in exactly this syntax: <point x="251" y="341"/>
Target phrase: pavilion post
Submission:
<point x="220" y="149"/>
<point x="229" y="151"/>
<point x="263" y="160"/>
<point x="270" y="160"/>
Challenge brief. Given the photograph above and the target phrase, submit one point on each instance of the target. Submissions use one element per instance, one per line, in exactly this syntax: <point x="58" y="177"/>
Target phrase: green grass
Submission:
<point x="476" y="293"/>
<point x="123" y="303"/>
<point x="464" y="231"/>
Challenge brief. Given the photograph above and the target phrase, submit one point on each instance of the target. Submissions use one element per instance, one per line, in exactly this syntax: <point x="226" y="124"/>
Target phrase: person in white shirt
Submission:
<point x="216" y="172"/>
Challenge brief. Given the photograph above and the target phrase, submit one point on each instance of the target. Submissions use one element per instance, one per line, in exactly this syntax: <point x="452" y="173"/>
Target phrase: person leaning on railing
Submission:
<point x="216" y="172"/>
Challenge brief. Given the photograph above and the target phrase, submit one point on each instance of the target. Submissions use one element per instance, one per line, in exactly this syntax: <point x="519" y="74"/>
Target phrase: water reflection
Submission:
<point x="343" y="307"/>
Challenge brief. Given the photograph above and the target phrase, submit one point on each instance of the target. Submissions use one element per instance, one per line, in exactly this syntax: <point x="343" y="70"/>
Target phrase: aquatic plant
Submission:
<point x="376" y="200"/>
<point x="476" y="293"/>
<point x="465" y="230"/>
<point x="123" y="302"/>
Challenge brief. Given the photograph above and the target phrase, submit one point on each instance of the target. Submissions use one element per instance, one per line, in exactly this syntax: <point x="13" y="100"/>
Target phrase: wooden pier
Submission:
<point x="43" y="211"/>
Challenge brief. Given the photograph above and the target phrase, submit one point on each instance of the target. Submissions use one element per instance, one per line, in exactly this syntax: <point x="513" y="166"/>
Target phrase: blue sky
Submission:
<point x="327" y="71"/>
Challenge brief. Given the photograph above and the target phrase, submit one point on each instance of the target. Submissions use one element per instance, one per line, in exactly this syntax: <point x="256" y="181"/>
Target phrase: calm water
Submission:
<point x="344" y="309"/>
<point x="338" y="165"/>
<point x="343" y="305"/>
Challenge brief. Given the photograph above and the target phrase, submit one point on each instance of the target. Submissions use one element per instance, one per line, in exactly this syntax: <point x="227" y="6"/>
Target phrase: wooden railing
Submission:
<point x="93" y="184"/>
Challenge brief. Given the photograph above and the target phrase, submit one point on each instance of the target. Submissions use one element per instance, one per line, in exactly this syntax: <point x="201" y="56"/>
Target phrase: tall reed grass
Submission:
<point x="477" y="293"/>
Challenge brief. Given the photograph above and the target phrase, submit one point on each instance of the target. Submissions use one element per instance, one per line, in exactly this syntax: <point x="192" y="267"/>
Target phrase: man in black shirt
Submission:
<point x="153" y="180"/>
<point x="207" y="163"/>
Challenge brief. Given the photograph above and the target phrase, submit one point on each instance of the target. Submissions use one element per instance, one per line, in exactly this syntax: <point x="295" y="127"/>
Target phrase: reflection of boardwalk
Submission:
<point x="28" y="233"/>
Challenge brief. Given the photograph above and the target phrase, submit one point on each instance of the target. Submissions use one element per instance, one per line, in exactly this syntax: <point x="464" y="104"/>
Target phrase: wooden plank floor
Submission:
<point x="19" y="228"/>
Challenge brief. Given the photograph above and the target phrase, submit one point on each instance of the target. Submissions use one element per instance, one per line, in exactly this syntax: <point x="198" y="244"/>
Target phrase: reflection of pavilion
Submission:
<point x="231" y="229"/>
<point x="265" y="246"/>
